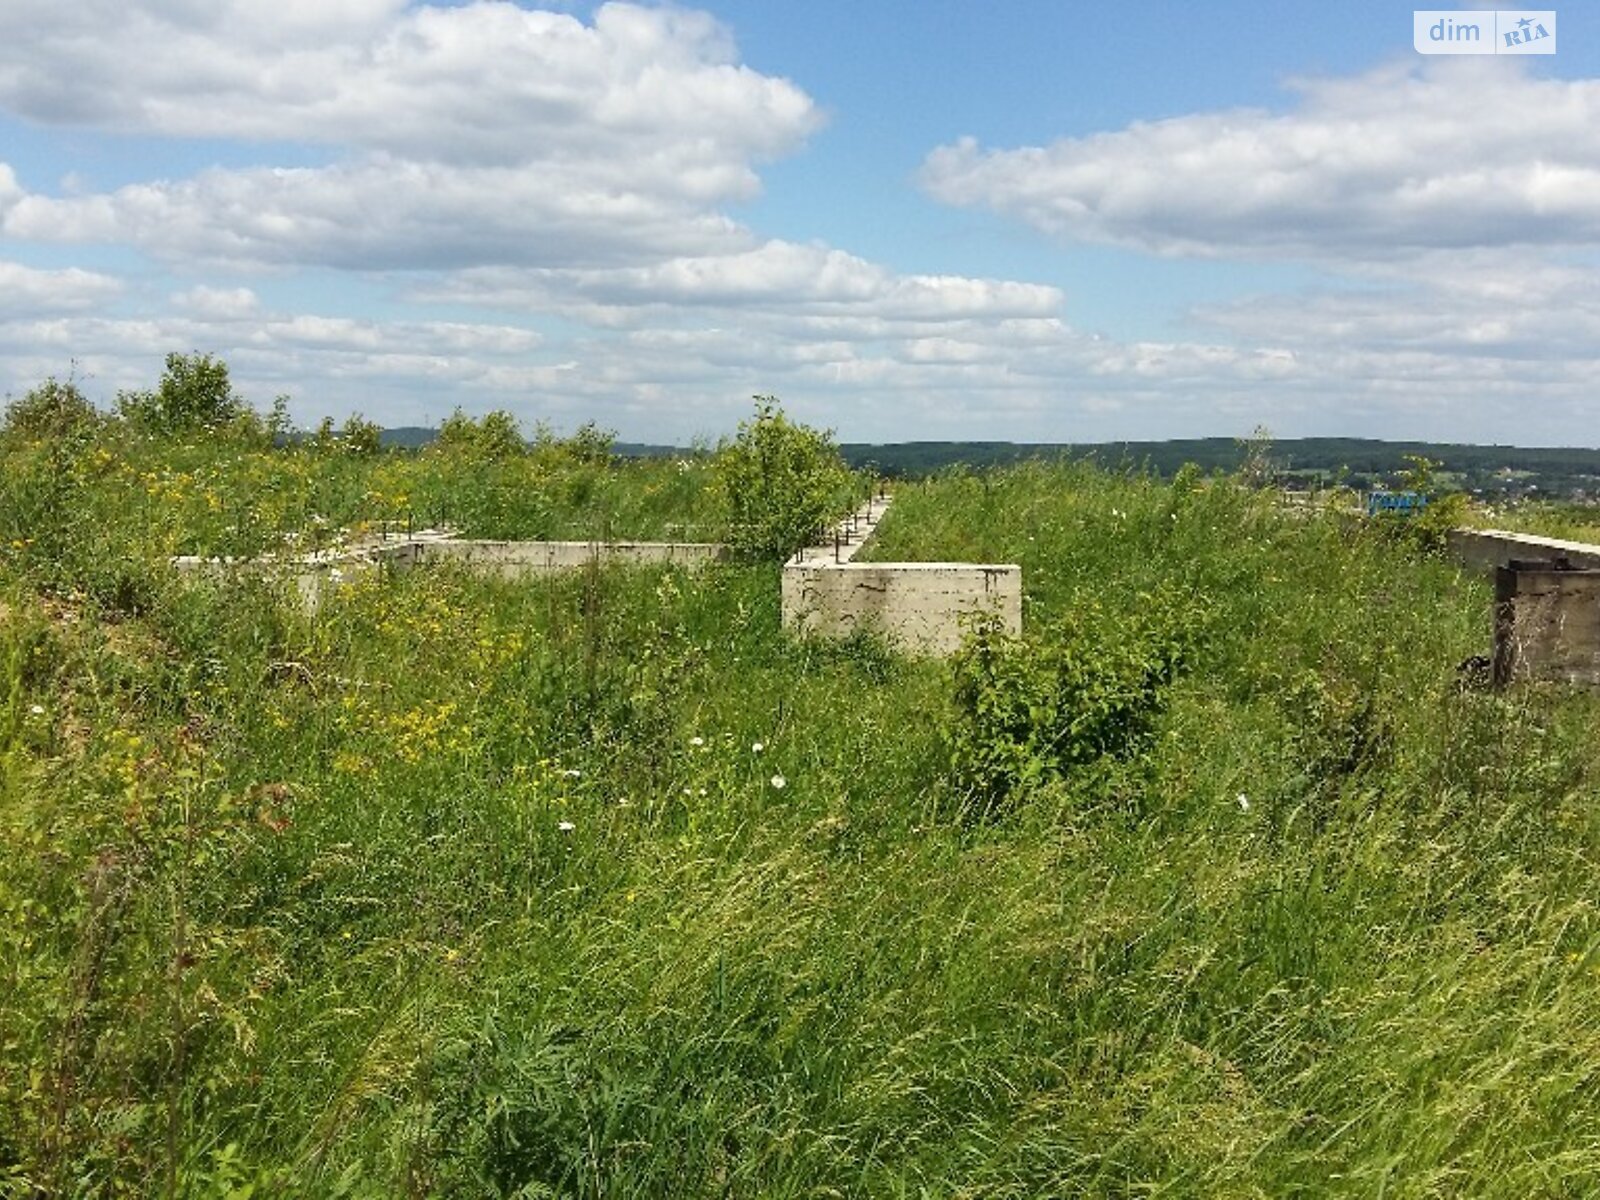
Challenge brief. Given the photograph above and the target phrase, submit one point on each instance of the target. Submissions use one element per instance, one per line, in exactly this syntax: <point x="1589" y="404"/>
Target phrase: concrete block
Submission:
<point x="1547" y="624"/>
<point x="1484" y="550"/>
<point x="517" y="560"/>
<point x="919" y="606"/>
<point x="848" y="538"/>
<point x="313" y="575"/>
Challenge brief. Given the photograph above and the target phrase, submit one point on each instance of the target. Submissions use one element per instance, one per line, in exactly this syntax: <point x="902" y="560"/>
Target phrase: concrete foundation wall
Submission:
<point x="514" y="560"/>
<point x="312" y="575"/>
<point x="1486" y="549"/>
<point x="919" y="606"/>
<point x="1547" y="625"/>
<point x="315" y="574"/>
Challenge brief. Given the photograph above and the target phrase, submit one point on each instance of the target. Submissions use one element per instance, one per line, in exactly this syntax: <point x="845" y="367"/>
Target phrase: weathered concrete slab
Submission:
<point x="314" y="574"/>
<point x="1547" y="624"/>
<point x="848" y="537"/>
<point x="922" y="607"/>
<point x="517" y="560"/>
<point x="198" y="564"/>
<point x="1487" y="549"/>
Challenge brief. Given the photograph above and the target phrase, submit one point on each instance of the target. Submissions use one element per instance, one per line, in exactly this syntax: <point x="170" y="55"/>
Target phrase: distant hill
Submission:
<point x="1362" y="462"/>
<point x="415" y="437"/>
<point x="1325" y="454"/>
<point x="408" y="437"/>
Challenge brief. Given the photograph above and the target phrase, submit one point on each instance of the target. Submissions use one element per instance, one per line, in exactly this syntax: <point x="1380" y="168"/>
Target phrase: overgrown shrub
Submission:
<point x="194" y="394"/>
<point x="1428" y="527"/>
<point x="51" y="411"/>
<point x="781" y="482"/>
<point x="495" y="436"/>
<point x="1030" y="710"/>
<point x="589" y="446"/>
<point x="361" y="436"/>
<point x="49" y="442"/>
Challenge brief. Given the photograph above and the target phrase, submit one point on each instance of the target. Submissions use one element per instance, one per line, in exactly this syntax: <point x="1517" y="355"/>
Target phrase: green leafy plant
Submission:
<point x="51" y="411"/>
<point x="194" y="394"/>
<point x="781" y="482"/>
<point x="361" y="436"/>
<point x="589" y="445"/>
<point x="280" y="425"/>
<point x="1443" y="512"/>
<point x="495" y="437"/>
<point x="1088" y="687"/>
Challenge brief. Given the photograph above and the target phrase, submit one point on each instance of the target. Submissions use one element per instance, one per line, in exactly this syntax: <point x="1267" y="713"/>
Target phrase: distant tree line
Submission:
<point x="195" y="394"/>
<point x="1299" y="462"/>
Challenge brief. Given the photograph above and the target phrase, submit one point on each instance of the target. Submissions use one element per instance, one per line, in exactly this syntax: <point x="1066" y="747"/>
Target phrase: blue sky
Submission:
<point x="1034" y="221"/>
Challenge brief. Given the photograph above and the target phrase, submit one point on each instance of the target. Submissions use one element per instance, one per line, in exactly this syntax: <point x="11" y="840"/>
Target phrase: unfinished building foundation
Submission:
<point x="1547" y="623"/>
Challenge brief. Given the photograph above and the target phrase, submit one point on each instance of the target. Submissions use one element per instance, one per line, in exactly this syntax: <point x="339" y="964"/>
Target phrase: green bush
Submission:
<point x="1027" y="711"/>
<point x="51" y="411"/>
<point x="1443" y="512"/>
<point x="495" y="437"/>
<point x="194" y="394"/>
<point x="361" y="436"/>
<point x="589" y="446"/>
<point x="781" y="482"/>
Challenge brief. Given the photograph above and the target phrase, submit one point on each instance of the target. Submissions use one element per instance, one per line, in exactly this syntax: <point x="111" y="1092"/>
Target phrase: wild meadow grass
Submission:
<point x="87" y="504"/>
<point x="601" y="886"/>
<point x="1551" y="518"/>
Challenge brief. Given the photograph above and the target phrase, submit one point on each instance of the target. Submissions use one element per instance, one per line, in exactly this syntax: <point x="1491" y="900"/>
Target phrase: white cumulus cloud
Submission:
<point x="581" y="175"/>
<point x="458" y="135"/>
<point x="776" y="277"/>
<point x="1449" y="153"/>
<point x="26" y="291"/>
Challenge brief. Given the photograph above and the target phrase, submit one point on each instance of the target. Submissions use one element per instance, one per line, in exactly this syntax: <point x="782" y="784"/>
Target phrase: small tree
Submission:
<point x="361" y="436"/>
<point x="591" y="444"/>
<point x="280" y="425"/>
<point x="781" y="482"/>
<point x="49" y="412"/>
<point x="588" y="446"/>
<point x="1441" y="511"/>
<point x="1256" y="466"/>
<point x="500" y="436"/>
<point x="496" y="436"/>
<point x="194" y="394"/>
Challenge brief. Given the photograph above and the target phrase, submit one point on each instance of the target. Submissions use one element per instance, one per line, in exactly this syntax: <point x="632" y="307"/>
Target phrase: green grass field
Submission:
<point x="1551" y="518"/>
<point x="601" y="886"/>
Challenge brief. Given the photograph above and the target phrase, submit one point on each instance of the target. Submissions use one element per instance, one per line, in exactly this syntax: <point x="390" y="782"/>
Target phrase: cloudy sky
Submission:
<point x="1033" y="221"/>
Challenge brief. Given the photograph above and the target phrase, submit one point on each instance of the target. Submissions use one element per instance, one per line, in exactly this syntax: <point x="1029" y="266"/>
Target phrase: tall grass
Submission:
<point x="1551" y="518"/>
<point x="469" y="888"/>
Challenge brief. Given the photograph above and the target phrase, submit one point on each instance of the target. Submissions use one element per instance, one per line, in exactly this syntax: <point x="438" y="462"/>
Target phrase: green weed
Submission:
<point x="600" y="885"/>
